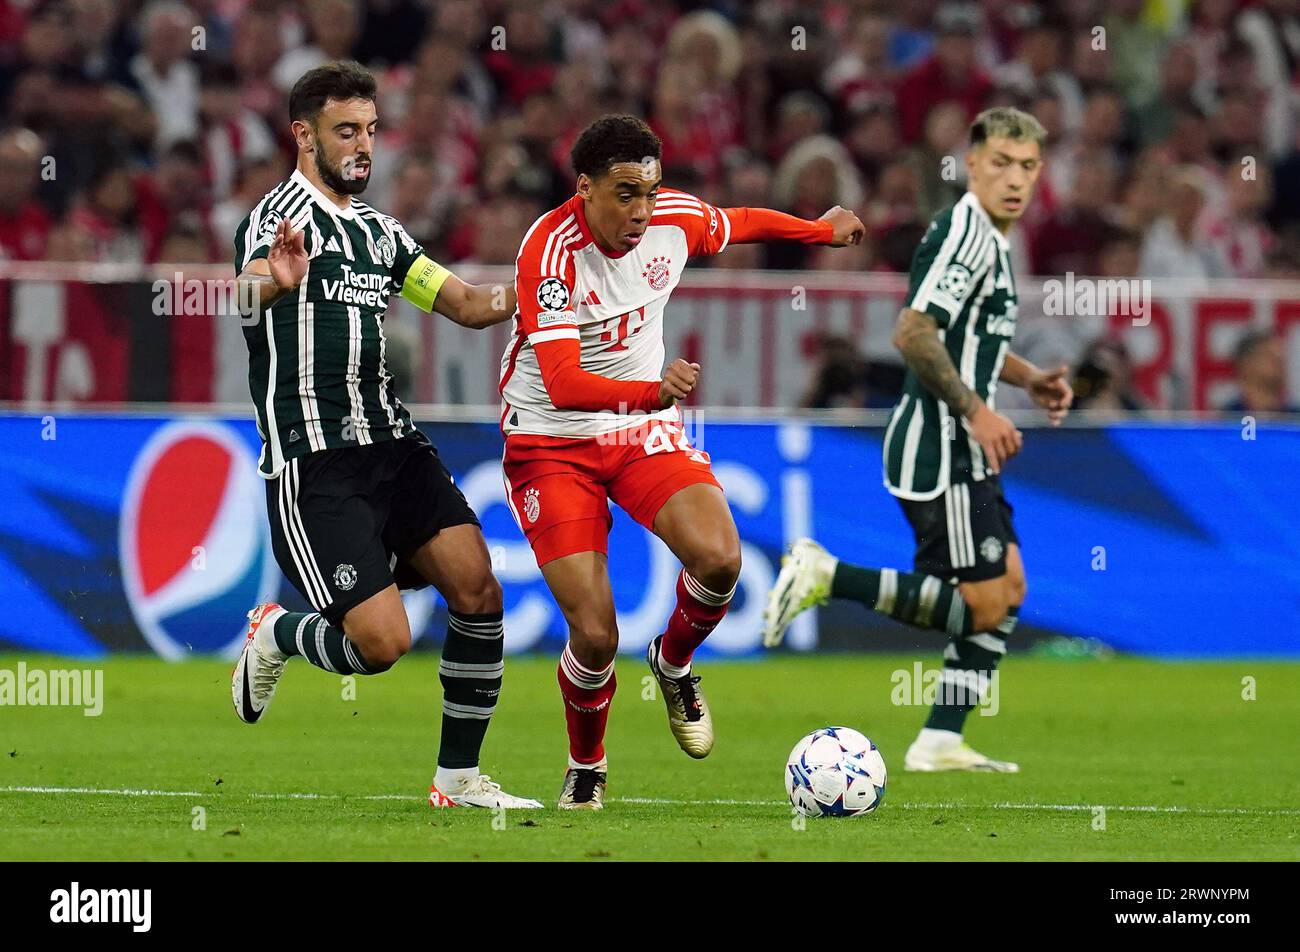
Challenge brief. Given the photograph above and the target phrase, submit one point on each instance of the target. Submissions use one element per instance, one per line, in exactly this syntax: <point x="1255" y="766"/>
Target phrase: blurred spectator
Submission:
<point x="939" y="161"/>
<point x="1103" y="381"/>
<point x="1136" y="47"/>
<point x="1175" y="247"/>
<point x="333" y="27"/>
<point x="234" y="136"/>
<point x="1037" y="70"/>
<point x="393" y="29"/>
<point x="1260" y="363"/>
<point x="845" y="378"/>
<point x="255" y="179"/>
<point x="1236" y="227"/>
<point x="169" y="81"/>
<point x="1072" y="238"/>
<point x="24" y="223"/>
<point x="106" y="217"/>
<point x="174" y="197"/>
<point x="950" y="73"/>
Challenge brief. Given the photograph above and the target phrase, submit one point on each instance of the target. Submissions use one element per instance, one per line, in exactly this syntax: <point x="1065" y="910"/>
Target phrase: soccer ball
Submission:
<point x="835" y="771"/>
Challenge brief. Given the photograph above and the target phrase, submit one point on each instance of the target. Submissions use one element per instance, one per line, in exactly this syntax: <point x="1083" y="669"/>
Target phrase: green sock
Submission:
<point x="309" y="635"/>
<point x="470" y="672"/>
<point x="969" y="664"/>
<point x="911" y="597"/>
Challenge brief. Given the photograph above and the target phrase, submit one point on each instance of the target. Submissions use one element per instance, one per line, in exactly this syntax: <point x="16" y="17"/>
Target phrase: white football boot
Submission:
<point x="688" y="713"/>
<point x="480" y="792"/>
<point x="258" y="670"/>
<point x="936" y="750"/>
<point x="803" y="582"/>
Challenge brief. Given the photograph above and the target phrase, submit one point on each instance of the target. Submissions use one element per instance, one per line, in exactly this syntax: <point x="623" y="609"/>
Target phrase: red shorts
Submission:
<point x="559" y="487"/>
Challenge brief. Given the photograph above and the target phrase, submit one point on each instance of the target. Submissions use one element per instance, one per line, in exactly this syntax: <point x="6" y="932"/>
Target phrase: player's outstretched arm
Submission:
<point x="837" y="228"/>
<point x="916" y="335"/>
<point x="475" y="305"/>
<point x="1050" y="389"/>
<point x="431" y="287"/>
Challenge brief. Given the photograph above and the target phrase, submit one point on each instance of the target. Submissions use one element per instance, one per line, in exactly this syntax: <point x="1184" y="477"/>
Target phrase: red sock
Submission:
<point x="587" y="696"/>
<point x="697" y="613"/>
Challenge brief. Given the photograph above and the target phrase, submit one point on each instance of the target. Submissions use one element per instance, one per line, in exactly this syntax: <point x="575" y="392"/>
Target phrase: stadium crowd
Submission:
<point x="143" y="132"/>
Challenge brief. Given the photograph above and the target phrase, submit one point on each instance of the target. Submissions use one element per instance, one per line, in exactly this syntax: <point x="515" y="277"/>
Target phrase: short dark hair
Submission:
<point x="612" y="140"/>
<point x="341" y="80"/>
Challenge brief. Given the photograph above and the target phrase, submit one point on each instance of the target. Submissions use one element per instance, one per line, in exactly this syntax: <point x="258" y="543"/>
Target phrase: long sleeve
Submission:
<point x="572" y="388"/>
<point x="710" y="229"/>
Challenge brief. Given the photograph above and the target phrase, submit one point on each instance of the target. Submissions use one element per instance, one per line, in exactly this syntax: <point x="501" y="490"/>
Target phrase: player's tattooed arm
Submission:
<point x="916" y="335"/>
<point x="475" y="305"/>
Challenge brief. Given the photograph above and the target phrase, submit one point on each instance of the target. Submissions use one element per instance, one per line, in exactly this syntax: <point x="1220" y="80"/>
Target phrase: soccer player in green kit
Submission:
<point x="359" y="502"/>
<point x="946" y="444"/>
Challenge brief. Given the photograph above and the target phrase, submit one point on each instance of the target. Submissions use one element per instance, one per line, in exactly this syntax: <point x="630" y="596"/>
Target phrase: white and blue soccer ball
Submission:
<point x="835" y="771"/>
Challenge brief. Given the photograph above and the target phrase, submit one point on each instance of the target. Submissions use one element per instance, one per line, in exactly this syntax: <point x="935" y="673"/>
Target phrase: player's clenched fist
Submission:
<point x="847" y="227"/>
<point x="679" y="380"/>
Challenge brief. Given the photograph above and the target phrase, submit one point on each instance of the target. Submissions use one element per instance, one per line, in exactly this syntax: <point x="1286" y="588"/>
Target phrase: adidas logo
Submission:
<point x="333" y="244"/>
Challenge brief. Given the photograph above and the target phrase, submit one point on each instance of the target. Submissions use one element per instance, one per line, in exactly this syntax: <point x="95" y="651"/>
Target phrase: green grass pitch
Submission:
<point x="1184" y="766"/>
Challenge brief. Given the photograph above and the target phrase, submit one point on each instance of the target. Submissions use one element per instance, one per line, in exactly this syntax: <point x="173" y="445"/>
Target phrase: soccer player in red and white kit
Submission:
<point x="590" y="415"/>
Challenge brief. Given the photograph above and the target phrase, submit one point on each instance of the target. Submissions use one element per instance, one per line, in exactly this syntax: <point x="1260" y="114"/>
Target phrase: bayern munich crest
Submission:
<point x="532" y="505"/>
<point x="193" y="541"/>
<point x="656" y="273"/>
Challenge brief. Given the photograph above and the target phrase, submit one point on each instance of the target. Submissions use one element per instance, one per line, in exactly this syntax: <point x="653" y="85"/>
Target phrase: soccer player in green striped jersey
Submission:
<point x="359" y="502"/>
<point x="946" y="444"/>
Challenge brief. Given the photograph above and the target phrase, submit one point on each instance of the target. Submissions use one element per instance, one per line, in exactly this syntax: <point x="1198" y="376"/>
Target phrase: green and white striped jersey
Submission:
<point x="961" y="276"/>
<point x="316" y="358"/>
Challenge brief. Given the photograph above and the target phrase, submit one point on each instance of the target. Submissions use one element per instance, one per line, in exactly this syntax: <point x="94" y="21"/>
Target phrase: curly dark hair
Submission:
<point x="611" y="140"/>
<point x="340" y="81"/>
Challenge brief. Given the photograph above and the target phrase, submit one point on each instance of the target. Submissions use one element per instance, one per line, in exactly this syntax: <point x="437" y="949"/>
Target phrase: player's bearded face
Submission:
<point x="343" y="174"/>
<point x="1003" y="173"/>
<point x="344" y="136"/>
<point x="620" y="202"/>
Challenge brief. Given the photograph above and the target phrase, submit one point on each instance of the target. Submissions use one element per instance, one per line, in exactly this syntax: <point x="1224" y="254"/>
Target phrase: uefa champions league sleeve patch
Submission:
<point x="552" y="295"/>
<point x="269" y="224"/>
<point x="955" y="281"/>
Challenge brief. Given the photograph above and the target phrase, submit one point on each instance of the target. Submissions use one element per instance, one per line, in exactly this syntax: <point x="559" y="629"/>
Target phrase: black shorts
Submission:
<point x="344" y="521"/>
<point x="963" y="533"/>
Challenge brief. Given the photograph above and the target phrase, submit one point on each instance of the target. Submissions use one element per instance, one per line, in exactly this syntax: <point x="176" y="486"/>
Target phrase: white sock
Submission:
<point x="671" y="670"/>
<point x="933" y="739"/>
<point x="602" y="765"/>
<point x="453" y="780"/>
<point x="264" y="637"/>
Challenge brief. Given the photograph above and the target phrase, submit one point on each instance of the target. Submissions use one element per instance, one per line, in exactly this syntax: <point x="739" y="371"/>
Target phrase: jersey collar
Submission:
<point x="1000" y="238"/>
<point x="321" y="199"/>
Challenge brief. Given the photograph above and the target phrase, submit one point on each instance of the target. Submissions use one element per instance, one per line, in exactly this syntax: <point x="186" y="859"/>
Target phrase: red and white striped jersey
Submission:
<point x="611" y="304"/>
